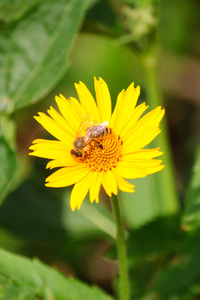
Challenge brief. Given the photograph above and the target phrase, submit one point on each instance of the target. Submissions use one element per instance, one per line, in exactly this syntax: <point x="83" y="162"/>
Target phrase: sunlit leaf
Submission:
<point x="21" y="278"/>
<point x="33" y="51"/>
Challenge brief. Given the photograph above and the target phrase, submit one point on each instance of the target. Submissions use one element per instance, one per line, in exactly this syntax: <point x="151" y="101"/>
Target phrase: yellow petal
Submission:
<point x="106" y="186"/>
<point x="124" y="170"/>
<point x="67" y="176"/>
<point x="143" y="153"/>
<point x="95" y="187"/>
<point x="53" y="128"/>
<point x="140" y="140"/>
<point x="62" y="162"/>
<point x="64" y="124"/>
<point x="109" y="183"/>
<point x="110" y="177"/>
<point x="103" y="100"/>
<point x="122" y="184"/>
<point x="65" y="109"/>
<point x="152" y="170"/>
<point x="128" y="128"/>
<point x="80" y="191"/>
<point x="49" y="142"/>
<point x="139" y="167"/>
<point x="49" y="149"/>
<point x="144" y="164"/>
<point x="87" y="101"/>
<point x="75" y="107"/>
<point x="150" y="121"/>
<point x="116" y="111"/>
<point x="152" y="118"/>
<point x="71" y="110"/>
<point x="125" y="106"/>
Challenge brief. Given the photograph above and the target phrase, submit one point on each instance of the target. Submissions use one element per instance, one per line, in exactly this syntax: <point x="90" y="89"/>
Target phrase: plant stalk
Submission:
<point x="121" y="249"/>
<point x="166" y="177"/>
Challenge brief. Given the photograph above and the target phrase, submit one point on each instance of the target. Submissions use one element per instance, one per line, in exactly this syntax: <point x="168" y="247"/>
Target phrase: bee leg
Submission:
<point x="95" y="141"/>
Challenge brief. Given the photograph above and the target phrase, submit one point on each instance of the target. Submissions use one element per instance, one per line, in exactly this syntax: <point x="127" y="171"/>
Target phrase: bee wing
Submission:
<point x="84" y="125"/>
<point x="104" y="124"/>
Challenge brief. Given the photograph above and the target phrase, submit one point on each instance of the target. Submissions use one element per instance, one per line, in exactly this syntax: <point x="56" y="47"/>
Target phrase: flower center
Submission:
<point x="103" y="154"/>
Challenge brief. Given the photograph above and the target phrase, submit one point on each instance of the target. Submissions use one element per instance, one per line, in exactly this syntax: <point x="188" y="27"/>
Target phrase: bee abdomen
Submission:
<point x="107" y="131"/>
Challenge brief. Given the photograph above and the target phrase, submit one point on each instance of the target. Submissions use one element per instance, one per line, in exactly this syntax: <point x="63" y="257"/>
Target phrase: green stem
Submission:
<point x="121" y="248"/>
<point x="168" y="203"/>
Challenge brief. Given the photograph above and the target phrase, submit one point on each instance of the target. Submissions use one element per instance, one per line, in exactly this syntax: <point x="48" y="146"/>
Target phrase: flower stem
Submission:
<point x="121" y="248"/>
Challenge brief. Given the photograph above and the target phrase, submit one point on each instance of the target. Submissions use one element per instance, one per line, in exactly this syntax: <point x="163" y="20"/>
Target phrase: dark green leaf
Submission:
<point x="33" y="51"/>
<point x="156" y="237"/>
<point x="102" y="19"/>
<point x="149" y="248"/>
<point x="182" y="274"/>
<point x="22" y="279"/>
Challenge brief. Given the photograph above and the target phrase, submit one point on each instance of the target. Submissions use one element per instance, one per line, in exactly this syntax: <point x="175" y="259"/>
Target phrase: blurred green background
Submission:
<point x="47" y="46"/>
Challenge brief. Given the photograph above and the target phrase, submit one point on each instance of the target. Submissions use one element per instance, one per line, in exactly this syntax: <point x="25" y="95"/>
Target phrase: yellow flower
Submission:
<point x="96" y="147"/>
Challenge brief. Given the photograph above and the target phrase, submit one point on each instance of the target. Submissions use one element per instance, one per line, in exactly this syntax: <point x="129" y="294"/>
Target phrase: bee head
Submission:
<point x="79" y="142"/>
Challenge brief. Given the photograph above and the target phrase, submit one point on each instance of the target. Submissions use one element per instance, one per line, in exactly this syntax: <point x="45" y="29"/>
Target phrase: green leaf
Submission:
<point x="102" y="19"/>
<point x="14" y="9"/>
<point x="157" y="237"/>
<point x="183" y="274"/>
<point x="8" y="169"/>
<point x="33" y="51"/>
<point x="148" y="250"/>
<point x="22" y="279"/>
<point x="191" y="216"/>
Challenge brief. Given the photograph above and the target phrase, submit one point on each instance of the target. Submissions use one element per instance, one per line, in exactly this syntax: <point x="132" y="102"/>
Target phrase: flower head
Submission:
<point x="96" y="147"/>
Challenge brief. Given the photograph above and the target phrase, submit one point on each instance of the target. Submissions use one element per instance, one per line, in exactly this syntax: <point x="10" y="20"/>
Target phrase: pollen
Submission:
<point x="104" y="154"/>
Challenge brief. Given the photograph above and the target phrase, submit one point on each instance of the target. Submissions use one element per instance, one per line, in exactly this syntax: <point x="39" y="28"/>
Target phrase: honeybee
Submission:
<point x="87" y="133"/>
<point x="97" y="132"/>
<point x="79" y="141"/>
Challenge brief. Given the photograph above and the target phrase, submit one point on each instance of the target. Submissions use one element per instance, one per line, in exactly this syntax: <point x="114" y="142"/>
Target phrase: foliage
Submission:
<point x="42" y="282"/>
<point x="46" y="46"/>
